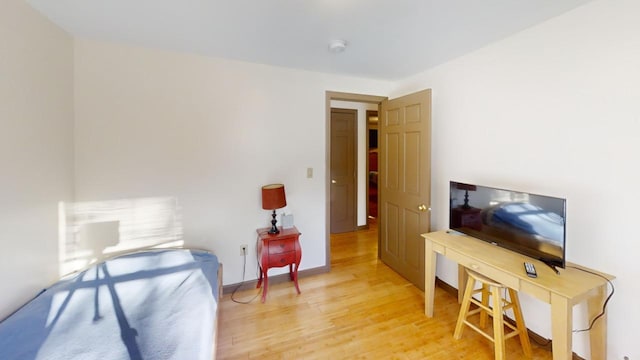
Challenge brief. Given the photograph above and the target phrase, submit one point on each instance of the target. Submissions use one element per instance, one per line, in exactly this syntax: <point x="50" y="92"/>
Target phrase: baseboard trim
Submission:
<point x="446" y="287"/>
<point x="274" y="279"/>
<point x="538" y="339"/>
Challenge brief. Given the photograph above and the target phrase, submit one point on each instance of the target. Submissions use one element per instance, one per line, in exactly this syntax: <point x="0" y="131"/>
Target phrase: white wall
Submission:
<point x="363" y="153"/>
<point x="36" y="144"/>
<point x="210" y="132"/>
<point x="554" y="110"/>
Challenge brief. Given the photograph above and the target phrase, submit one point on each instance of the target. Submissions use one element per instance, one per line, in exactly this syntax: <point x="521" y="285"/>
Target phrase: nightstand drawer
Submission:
<point x="282" y="259"/>
<point x="281" y="246"/>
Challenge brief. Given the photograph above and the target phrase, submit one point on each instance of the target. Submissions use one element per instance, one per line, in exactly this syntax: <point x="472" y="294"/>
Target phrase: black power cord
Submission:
<point x="244" y="269"/>
<point x="604" y="305"/>
<point x="601" y="314"/>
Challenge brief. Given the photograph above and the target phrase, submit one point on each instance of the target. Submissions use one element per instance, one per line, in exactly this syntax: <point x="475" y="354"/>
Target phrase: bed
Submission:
<point x="154" y="304"/>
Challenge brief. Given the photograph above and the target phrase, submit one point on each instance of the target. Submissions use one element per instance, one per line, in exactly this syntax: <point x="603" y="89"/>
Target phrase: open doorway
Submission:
<point x="360" y="174"/>
<point x="404" y="182"/>
<point x="362" y="103"/>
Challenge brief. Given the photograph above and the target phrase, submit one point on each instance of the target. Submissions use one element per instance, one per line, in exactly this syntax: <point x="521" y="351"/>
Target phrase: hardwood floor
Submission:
<point x="360" y="310"/>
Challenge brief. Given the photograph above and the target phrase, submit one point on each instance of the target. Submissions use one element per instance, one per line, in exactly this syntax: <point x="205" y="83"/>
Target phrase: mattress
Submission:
<point x="158" y="304"/>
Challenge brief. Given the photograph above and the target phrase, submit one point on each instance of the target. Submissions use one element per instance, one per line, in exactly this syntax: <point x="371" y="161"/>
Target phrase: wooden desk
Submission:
<point x="561" y="291"/>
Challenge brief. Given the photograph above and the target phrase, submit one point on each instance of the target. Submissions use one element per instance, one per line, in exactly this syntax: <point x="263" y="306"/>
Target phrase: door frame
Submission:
<point x="341" y="96"/>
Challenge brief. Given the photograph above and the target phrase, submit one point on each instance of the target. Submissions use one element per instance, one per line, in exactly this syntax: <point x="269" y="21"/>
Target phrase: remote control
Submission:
<point x="530" y="269"/>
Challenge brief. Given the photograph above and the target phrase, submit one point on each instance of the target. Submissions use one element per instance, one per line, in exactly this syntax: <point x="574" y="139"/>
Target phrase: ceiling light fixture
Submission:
<point x="337" y="46"/>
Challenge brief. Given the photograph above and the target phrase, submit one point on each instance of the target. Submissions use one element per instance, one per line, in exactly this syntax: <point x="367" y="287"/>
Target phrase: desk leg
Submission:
<point x="561" y="323"/>
<point x="429" y="277"/>
<point x="598" y="334"/>
<point x="462" y="283"/>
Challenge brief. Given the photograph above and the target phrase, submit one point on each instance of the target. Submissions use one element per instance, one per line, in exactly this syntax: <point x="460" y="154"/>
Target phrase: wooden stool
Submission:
<point x="495" y="310"/>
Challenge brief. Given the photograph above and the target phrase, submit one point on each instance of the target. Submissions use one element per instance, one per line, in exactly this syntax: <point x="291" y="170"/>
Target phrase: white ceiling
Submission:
<point x="387" y="39"/>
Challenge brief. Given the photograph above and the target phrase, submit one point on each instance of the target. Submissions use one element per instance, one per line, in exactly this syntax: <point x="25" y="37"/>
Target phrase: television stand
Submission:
<point x="505" y="266"/>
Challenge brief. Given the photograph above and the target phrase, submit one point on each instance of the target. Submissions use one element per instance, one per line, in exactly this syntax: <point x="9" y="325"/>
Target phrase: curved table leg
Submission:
<point x="263" y="274"/>
<point x="295" y="276"/>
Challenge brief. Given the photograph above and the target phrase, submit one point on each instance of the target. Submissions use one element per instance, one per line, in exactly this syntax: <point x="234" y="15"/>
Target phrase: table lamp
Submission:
<point x="273" y="198"/>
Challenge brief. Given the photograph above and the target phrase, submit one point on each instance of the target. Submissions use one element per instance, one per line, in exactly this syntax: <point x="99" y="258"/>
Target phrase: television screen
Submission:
<point x="533" y="225"/>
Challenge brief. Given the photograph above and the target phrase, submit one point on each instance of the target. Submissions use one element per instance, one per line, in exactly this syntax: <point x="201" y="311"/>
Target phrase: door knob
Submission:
<point x="422" y="207"/>
<point x="333" y="181"/>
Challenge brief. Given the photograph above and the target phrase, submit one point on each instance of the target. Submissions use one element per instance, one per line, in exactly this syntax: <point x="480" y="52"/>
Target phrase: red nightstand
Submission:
<point x="278" y="250"/>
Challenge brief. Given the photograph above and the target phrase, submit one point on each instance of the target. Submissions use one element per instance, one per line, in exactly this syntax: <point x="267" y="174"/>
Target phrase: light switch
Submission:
<point x="309" y="173"/>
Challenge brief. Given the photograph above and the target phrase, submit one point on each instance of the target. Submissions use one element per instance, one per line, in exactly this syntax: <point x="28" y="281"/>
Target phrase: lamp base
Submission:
<point x="466" y="200"/>
<point x="274" y="229"/>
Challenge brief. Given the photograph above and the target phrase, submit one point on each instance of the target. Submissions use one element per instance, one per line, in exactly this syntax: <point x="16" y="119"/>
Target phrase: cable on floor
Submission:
<point x="244" y="269"/>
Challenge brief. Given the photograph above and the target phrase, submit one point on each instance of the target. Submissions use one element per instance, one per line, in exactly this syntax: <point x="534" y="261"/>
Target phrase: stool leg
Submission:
<point x="522" y="328"/>
<point x="484" y="316"/>
<point x="498" y="326"/>
<point x="464" y="308"/>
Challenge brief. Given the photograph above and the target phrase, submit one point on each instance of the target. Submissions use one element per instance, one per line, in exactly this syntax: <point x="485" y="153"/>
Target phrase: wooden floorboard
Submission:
<point x="360" y="310"/>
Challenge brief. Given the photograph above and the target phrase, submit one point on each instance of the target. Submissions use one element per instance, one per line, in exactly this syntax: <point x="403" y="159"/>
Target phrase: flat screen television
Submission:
<point x="530" y="224"/>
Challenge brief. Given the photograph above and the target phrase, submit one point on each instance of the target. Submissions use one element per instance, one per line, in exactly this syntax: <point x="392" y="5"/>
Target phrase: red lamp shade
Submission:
<point x="273" y="197"/>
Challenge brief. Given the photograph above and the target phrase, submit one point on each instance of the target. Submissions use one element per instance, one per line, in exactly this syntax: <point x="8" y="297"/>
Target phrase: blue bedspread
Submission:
<point x="157" y="304"/>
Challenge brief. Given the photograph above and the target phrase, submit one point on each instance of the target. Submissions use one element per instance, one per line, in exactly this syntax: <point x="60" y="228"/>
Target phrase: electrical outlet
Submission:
<point x="243" y="250"/>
